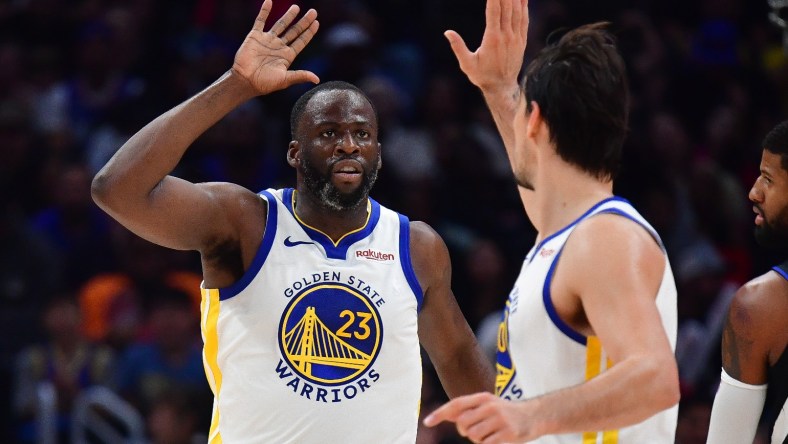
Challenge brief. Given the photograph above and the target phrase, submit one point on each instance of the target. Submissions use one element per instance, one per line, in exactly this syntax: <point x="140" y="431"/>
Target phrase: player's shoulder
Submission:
<point x="762" y="298"/>
<point x="613" y="233"/>
<point x="427" y="247"/>
<point x="423" y="232"/>
<point x="238" y="201"/>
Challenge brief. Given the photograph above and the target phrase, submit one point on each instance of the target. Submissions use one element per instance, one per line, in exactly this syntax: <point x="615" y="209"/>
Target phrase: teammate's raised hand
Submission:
<point x="497" y="62"/>
<point x="264" y="57"/>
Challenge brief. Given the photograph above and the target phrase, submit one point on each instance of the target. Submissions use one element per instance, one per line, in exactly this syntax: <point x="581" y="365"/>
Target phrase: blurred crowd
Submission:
<point x="86" y="304"/>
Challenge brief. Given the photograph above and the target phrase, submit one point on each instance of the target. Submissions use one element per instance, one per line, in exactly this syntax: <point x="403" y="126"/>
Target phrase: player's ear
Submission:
<point x="534" y="120"/>
<point x="293" y="154"/>
<point x="380" y="156"/>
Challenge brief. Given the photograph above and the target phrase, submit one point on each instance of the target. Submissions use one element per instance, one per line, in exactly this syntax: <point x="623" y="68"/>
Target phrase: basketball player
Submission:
<point x="586" y="345"/>
<point x="755" y="339"/>
<point x="314" y="299"/>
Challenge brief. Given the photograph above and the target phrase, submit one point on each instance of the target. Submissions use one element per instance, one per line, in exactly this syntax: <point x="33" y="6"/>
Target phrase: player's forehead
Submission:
<point x="772" y="164"/>
<point x="338" y="105"/>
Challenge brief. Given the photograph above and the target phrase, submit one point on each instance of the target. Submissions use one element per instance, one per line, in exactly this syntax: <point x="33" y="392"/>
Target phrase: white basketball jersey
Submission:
<point x="539" y="353"/>
<point x="317" y="342"/>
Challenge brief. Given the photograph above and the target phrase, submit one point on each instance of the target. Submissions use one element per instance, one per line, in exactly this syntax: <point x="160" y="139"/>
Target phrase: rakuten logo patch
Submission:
<point x="375" y="255"/>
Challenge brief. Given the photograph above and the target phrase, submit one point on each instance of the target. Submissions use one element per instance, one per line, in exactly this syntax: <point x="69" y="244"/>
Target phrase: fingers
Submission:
<point x="480" y="431"/>
<point x="453" y="409"/>
<point x="517" y="16"/>
<point x="524" y="21"/>
<point x="300" y="26"/>
<point x="262" y="16"/>
<point x="505" y="20"/>
<point x="302" y="40"/>
<point x="495" y="438"/>
<point x="283" y="23"/>
<point x="459" y="47"/>
<point x="492" y="14"/>
<point x="300" y="76"/>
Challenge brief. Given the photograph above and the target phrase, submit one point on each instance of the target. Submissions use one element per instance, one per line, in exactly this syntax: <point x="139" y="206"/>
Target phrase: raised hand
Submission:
<point x="496" y="64"/>
<point x="264" y="57"/>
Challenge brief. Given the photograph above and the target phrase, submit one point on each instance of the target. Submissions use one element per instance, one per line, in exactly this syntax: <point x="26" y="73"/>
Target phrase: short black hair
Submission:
<point x="581" y="87"/>
<point x="776" y="141"/>
<point x="334" y="85"/>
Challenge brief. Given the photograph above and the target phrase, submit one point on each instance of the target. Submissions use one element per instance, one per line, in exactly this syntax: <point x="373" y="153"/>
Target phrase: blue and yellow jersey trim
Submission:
<point x="209" y="317"/>
<point x="338" y="249"/>
<point x="504" y="367"/>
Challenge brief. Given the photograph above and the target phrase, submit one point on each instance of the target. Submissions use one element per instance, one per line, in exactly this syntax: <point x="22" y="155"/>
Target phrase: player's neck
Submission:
<point x="333" y="223"/>
<point x="563" y="194"/>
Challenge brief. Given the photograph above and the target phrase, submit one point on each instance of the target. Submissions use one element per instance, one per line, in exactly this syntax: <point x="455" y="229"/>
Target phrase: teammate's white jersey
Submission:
<point x="539" y="353"/>
<point x="317" y="342"/>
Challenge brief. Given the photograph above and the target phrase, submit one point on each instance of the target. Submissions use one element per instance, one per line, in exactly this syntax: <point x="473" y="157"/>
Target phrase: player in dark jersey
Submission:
<point x="754" y="378"/>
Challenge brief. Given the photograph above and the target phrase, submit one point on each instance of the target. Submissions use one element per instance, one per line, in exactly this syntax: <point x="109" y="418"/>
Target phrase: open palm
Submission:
<point x="264" y="57"/>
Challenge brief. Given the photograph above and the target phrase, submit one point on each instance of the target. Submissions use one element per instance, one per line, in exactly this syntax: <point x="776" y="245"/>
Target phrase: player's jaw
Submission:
<point x="771" y="233"/>
<point x="344" y="185"/>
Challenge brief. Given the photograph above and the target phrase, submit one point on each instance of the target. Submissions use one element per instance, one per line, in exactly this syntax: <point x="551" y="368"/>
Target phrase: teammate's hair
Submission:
<point x="334" y="85"/>
<point x="581" y="87"/>
<point x="776" y="141"/>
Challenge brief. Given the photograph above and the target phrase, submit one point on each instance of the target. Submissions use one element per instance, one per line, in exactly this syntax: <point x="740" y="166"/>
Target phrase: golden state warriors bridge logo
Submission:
<point x="330" y="335"/>
<point x="505" y="386"/>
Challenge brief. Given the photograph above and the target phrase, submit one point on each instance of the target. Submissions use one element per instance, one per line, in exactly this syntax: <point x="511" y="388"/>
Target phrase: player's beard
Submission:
<point x="773" y="235"/>
<point x="320" y="185"/>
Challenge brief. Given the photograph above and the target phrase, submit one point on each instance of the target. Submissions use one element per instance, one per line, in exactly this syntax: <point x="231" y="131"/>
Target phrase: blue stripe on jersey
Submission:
<point x="589" y="211"/>
<point x="262" y="251"/>
<point x="650" y="231"/>
<point x="781" y="272"/>
<point x="548" y="301"/>
<point x="404" y="259"/>
<point x="338" y="251"/>
<point x="548" y="305"/>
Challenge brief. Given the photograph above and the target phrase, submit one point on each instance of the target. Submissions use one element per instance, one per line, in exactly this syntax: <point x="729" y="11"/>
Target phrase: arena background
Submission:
<point x="77" y="78"/>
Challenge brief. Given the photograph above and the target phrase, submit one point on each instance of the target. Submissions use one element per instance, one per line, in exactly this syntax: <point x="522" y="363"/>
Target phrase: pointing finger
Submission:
<point x="452" y="409"/>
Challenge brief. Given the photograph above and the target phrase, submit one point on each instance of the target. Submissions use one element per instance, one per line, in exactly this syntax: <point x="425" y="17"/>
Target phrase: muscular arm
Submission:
<point x="752" y="328"/>
<point x="135" y="188"/>
<point x="617" y="298"/>
<point x="443" y="331"/>
<point x="752" y="340"/>
<point x="616" y="293"/>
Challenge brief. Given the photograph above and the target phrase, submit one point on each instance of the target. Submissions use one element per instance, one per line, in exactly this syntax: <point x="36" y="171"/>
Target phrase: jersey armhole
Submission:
<point x="406" y="263"/>
<point x="262" y="252"/>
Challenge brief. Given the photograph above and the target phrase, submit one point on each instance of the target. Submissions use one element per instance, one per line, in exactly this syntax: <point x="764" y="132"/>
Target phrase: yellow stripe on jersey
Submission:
<point x="214" y="437"/>
<point x="610" y="437"/>
<point x="593" y="357"/>
<point x="594" y="361"/>
<point x="209" y="310"/>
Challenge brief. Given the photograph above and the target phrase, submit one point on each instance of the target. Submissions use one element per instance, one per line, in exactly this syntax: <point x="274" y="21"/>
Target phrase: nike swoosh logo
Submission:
<point x="289" y="243"/>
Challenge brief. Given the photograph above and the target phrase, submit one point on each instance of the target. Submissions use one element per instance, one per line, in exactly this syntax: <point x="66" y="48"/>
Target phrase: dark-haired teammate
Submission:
<point x="586" y="346"/>
<point x="315" y="299"/>
<point x="754" y="378"/>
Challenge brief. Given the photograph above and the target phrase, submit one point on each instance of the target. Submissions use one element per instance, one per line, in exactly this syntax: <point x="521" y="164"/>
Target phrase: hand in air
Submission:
<point x="264" y="57"/>
<point x="497" y="62"/>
